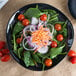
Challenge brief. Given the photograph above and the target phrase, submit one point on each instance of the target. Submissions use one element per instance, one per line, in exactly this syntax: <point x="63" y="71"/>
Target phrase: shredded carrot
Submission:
<point x="41" y="36"/>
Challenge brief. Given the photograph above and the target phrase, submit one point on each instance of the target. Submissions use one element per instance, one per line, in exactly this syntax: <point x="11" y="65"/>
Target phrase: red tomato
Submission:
<point x="18" y="40"/>
<point x="58" y="27"/>
<point x="5" y="58"/>
<point x="59" y="37"/>
<point x="25" y="22"/>
<point x="43" y="17"/>
<point x="2" y="44"/>
<point x="54" y="44"/>
<point x="1" y="54"/>
<point x="48" y="62"/>
<point x="73" y="60"/>
<point x="71" y="53"/>
<point x="5" y="51"/>
<point x="21" y="17"/>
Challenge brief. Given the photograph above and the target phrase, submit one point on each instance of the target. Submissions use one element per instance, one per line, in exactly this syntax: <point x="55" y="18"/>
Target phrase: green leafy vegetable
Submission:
<point x="43" y="65"/>
<point x="55" y="33"/>
<point x="64" y="26"/>
<point x="32" y="12"/>
<point x="36" y="58"/>
<point x="58" y="22"/>
<point x="27" y="59"/>
<point x="63" y="53"/>
<point x="20" y="52"/>
<point x="52" y="20"/>
<point x="18" y="27"/>
<point x="64" y="30"/>
<point x="31" y="62"/>
<point x="43" y="55"/>
<point x="51" y="12"/>
<point x="55" y="51"/>
<point x="15" y="45"/>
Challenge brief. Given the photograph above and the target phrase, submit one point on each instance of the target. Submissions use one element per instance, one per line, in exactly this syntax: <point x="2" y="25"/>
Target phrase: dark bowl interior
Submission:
<point x="62" y="17"/>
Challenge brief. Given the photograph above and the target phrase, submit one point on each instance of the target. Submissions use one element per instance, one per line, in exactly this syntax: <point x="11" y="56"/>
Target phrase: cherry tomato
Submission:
<point x="25" y="22"/>
<point x="73" y="60"/>
<point x="5" y="51"/>
<point x="18" y="40"/>
<point x="43" y="17"/>
<point x="71" y="53"/>
<point x="48" y="62"/>
<point x="21" y="17"/>
<point x="59" y="37"/>
<point x="58" y="27"/>
<point x="54" y="44"/>
<point x="1" y="54"/>
<point x="5" y="58"/>
<point x="2" y="44"/>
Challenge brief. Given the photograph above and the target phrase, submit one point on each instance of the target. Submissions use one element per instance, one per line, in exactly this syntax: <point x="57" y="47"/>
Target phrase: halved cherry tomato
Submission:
<point x="54" y="44"/>
<point x="5" y="58"/>
<point x="5" y="51"/>
<point x="58" y="27"/>
<point x="48" y="62"/>
<point x="2" y="44"/>
<point x="59" y="37"/>
<point x="43" y="17"/>
<point x="1" y="54"/>
<point x="73" y="60"/>
<point x="71" y="53"/>
<point x="21" y="17"/>
<point x="25" y="22"/>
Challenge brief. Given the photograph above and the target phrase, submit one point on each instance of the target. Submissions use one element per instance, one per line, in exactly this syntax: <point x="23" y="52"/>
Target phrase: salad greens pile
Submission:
<point x="29" y="57"/>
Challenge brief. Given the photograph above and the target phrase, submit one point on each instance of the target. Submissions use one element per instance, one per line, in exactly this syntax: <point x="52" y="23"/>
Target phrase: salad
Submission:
<point x="39" y="36"/>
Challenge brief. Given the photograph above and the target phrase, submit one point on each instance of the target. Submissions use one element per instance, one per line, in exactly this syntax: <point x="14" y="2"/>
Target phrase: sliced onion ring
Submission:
<point x="28" y="28"/>
<point x="24" y="43"/>
<point x="52" y="28"/>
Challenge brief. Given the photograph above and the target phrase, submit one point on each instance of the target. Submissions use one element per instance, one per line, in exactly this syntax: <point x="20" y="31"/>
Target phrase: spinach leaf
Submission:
<point x="20" y="52"/>
<point x="60" y="43"/>
<point x="43" y="65"/>
<point x="32" y="12"/>
<point x="52" y="20"/>
<point x="51" y="12"/>
<point x="64" y="30"/>
<point x="59" y="22"/>
<point x="31" y="62"/>
<point x="15" y="45"/>
<point x="36" y="58"/>
<point x="64" y="26"/>
<point x="27" y="59"/>
<point x="55" y="51"/>
<point x="55" y="33"/>
<point x="18" y="27"/>
<point x="43" y="55"/>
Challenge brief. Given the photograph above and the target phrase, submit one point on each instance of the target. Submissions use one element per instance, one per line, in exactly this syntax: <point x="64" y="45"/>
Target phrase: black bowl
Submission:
<point x="62" y="17"/>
